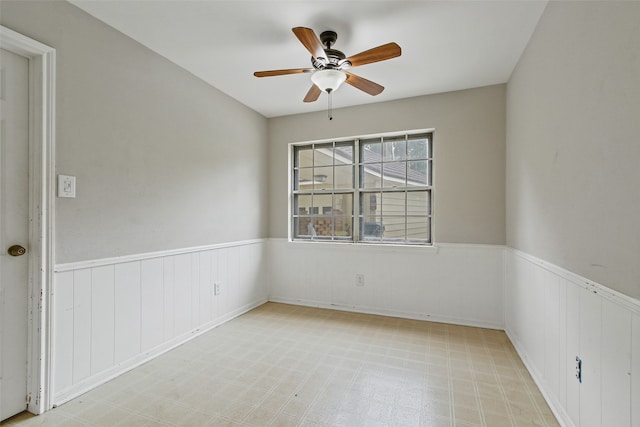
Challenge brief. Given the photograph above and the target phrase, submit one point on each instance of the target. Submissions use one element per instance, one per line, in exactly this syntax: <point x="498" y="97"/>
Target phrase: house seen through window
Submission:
<point x="374" y="189"/>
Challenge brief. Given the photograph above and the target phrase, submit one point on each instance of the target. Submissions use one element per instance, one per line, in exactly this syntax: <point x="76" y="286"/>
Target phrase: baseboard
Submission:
<point x="388" y="313"/>
<point x="96" y="380"/>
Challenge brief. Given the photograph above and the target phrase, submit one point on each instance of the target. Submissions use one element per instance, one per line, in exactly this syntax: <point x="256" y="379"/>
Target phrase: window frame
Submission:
<point x="358" y="191"/>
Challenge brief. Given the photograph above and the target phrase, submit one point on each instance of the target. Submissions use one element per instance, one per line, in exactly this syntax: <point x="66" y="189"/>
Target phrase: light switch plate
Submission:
<point x="66" y="186"/>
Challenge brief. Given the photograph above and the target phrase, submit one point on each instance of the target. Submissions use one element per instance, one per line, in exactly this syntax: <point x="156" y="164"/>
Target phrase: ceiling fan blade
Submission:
<point x="377" y="54"/>
<point x="310" y="40"/>
<point x="313" y="94"/>
<point x="282" y="72"/>
<point x="363" y="84"/>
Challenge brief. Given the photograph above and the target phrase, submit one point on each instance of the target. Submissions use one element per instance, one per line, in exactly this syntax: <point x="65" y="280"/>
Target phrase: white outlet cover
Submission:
<point x="66" y="186"/>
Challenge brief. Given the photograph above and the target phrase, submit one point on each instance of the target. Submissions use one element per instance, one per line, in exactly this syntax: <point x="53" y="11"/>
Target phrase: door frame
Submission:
<point x="42" y="65"/>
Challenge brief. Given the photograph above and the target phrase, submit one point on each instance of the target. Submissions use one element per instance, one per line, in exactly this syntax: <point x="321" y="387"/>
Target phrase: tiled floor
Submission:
<point x="283" y="365"/>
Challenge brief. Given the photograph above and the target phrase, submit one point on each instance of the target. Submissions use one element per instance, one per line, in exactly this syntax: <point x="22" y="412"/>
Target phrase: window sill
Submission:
<point x="363" y="246"/>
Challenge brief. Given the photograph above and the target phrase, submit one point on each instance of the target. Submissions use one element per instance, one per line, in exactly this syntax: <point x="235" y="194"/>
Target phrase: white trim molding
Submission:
<point x="58" y="268"/>
<point x="41" y="209"/>
<point x="612" y="295"/>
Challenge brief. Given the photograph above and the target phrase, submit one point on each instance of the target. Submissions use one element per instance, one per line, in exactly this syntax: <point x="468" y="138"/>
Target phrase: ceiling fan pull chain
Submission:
<point x="330" y="109"/>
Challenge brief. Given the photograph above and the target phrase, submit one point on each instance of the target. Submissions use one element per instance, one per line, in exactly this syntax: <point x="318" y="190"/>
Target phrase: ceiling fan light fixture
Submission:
<point x="328" y="80"/>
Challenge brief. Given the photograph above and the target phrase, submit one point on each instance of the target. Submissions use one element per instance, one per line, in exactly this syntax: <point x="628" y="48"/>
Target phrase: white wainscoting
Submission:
<point x="452" y="283"/>
<point x="552" y="316"/>
<point x="111" y="315"/>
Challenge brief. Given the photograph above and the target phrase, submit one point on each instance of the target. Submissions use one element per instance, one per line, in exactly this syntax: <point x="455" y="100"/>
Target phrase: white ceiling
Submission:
<point x="446" y="45"/>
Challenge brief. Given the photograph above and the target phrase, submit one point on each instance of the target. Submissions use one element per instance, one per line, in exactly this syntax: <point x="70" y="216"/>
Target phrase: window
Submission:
<point x="374" y="189"/>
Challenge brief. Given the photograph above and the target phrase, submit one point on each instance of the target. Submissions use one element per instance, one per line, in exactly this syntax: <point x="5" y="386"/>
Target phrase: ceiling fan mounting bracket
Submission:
<point x="328" y="38"/>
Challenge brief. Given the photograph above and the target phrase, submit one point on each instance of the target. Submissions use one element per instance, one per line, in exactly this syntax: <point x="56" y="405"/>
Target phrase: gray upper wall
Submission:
<point x="469" y="147"/>
<point x="157" y="151"/>
<point x="165" y="161"/>
<point x="162" y="159"/>
<point x="573" y="156"/>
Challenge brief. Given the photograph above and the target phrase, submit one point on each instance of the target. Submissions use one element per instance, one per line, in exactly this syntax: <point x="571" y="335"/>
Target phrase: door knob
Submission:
<point x="16" y="250"/>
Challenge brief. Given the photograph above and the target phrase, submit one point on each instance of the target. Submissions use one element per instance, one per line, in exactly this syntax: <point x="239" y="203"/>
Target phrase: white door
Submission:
<point x="14" y="208"/>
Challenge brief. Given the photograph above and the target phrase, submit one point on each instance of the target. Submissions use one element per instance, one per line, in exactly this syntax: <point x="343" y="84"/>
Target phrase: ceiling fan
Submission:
<point x="329" y="64"/>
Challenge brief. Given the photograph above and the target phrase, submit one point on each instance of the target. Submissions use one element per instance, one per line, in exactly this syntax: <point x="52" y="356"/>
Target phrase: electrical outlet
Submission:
<point x="579" y="369"/>
<point x="216" y="289"/>
<point x="359" y="280"/>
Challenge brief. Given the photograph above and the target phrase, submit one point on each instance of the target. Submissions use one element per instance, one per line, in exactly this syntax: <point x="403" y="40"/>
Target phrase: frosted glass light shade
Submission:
<point x="328" y="80"/>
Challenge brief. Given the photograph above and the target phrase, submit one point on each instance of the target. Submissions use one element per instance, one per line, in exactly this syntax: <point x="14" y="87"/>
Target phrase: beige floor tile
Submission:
<point x="276" y="400"/>
<point x="406" y="417"/>
<point x="467" y="399"/>
<point x="526" y="422"/>
<point x="236" y="411"/>
<point x="295" y="407"/>
<point x="498" y="420"/>
<point x="490" y="391"/>
<point x="379" y="411"/>
<point x="465" y="414"/>
<point x="91" y="411"/>
<point x="437" y="409"/>
<point x="550" y="420"/>
<point x="285" y="420"/>
<point x="111" y="416"/>
<point x="75" y="406"/>
<point x="431" y="421"/>
<point x="284" y="365"/>
<point x="345" y="419"/>
<point x="321" y="415"/>
<point x="134" y="419"/>
<point x="494" y="406"/>
<point x="486" y="378"/>
<point x="524" y="410"/>
<point x="260" y="416"/>
<point x="133" y="402"/>
<point x="225" y="422"/>
<point x="199" y="419"/>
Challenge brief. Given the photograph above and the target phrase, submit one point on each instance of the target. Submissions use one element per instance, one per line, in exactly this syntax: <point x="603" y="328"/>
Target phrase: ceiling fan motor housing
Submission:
<point x="335" y="60"/>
